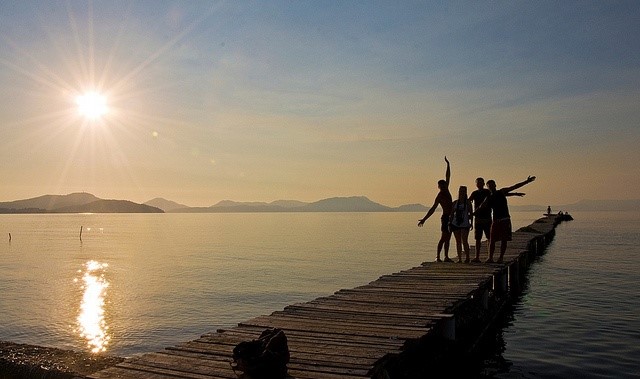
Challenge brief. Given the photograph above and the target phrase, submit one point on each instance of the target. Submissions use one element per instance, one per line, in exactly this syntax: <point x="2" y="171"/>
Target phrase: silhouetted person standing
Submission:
<point x="461" y="222"/>
<point x="482" y="219"/>
<point x="444" y="200"/>
<point x="501" y="225"/>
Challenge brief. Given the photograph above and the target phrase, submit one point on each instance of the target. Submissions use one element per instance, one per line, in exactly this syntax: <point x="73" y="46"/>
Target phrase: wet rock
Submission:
<point x="30" y="361"/>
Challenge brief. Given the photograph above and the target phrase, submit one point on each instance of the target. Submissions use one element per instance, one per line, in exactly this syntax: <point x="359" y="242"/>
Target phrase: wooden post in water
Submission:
<point x="514" y="277"/>
<point x="540" y="243"/>
<point x="485" y="299"/>
<point x="9" y="237"/>
<point x="524" y="264"/>
<point x="500" y="286"/>
<point x="80" y="232"/>
<point x="447" y="326"/>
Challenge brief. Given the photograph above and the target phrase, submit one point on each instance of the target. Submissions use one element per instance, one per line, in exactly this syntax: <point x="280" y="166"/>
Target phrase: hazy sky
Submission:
<point x="260" y="101"/>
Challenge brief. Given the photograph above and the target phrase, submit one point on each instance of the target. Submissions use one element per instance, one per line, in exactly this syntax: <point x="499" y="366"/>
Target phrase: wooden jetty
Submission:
<point x="372" y="331"/>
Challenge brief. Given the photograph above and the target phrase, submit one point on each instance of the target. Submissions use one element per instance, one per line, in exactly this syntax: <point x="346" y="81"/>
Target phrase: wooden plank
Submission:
<point x="215" y="351"/>
<point x="183" y="365"/>
<point x="348" y="328"/>
<point x="323" y="337"/>
<point x="353" y="315"/>
<point x="420" y="311"/>
<point x="425" y="308"/>
<point x="128" y="369"/>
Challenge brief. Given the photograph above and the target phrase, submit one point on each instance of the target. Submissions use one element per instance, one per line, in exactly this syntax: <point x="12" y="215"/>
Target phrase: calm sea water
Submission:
<point x="580" y="314"/>
<point x="138" y="283"/>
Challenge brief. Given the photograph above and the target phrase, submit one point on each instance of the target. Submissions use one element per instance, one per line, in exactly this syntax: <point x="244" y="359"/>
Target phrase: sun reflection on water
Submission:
<point x="91" y="321"/>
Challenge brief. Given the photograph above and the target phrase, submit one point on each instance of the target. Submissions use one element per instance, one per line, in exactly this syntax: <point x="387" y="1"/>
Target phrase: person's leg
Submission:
<point x="447" y="237"/>
<point x="444" y="238"/>
<point x="440" y="244"/>
<point x="503" y="249"/>
<point x="464" y="234"/>
<point x="458" y="235"/>
<point x="505" y="237"/>
<point x="492" y="249"/>
<point x="492" y="241"/>
<point x="477" y="233"/>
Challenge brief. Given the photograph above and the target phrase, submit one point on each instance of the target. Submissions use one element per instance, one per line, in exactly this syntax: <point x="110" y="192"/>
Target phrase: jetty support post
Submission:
<point x="447" y="326"/>
<point x="484" y="298"/>
<point x="524" y="261"/>
<point x="549" y="236"/>
<point x="500" y="286"/>
<point x="514" y="276"/>
<point x="541" y="245"/>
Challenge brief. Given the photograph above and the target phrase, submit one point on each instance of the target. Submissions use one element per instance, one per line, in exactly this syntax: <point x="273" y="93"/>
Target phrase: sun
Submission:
<point x="92" y="105"/>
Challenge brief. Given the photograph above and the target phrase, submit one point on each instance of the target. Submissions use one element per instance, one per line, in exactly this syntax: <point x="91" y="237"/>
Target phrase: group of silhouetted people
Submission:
<point x="485" y="209"/>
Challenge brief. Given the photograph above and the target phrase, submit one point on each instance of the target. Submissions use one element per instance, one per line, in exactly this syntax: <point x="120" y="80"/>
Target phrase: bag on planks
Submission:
<point x="263" y="358"/>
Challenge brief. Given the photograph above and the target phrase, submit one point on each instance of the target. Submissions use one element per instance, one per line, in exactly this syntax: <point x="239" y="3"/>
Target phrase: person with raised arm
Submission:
<point x="482" y="217"/>
<point x="443" y="198"/>
<point x="501" y="224"/>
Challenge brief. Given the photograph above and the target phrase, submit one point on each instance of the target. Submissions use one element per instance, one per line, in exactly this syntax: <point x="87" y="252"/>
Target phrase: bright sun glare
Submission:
<point x="92" y="105"/>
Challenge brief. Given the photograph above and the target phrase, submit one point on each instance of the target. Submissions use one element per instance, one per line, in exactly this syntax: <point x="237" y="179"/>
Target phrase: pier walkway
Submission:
<point x="368" y="331"/>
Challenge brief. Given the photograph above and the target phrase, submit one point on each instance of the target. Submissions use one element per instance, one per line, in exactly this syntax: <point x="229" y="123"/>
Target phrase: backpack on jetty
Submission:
<point x="263" y="358"/>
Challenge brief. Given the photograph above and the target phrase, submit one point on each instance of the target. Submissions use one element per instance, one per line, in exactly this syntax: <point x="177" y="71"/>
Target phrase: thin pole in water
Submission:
<point x="9" y="237"/>
<point x="80" y="232"/>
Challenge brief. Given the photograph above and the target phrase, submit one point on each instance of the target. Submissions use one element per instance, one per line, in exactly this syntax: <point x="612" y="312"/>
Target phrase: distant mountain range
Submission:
<point x="334" y="204"/>
<point x="75" y="203"/>
<point x="88" y="203"/>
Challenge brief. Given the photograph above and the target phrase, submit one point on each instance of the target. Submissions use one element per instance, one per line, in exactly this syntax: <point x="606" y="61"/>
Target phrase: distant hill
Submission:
<point x="50" y="202"/>
<point x="345" y="204"/>
<point x="288" y="203"/>
<point x="334" y="204"/>
<point x="110" y="206"/>
<point x="74" y="203"/>
<point x="228" y="206"/>
<point x="164" y="204"/>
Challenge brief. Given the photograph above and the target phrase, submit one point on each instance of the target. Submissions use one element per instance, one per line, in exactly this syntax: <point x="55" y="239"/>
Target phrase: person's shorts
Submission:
<point x="444" y="224"/>
<point x="453" y="228"/>
<point x="482" y="226"/>
<point x="501" y="230"/>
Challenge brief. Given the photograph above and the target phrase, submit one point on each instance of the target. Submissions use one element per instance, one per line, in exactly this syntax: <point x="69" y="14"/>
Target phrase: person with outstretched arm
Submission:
<point x="482" y="217"/>
<point x="501" y="223"/>
<point x="443" y="198"/>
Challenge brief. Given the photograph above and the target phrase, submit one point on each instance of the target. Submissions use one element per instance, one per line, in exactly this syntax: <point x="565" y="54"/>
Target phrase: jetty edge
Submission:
<point x="390" y="328"/>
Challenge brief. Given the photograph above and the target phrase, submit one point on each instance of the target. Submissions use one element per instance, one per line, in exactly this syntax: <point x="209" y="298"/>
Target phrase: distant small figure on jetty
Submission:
<point x="564" y="216"/>
<point x="460" y="223"/>
<point x="549" y="210"/>
<point x="445" y="201"/>
<point x="501" y="225"/>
